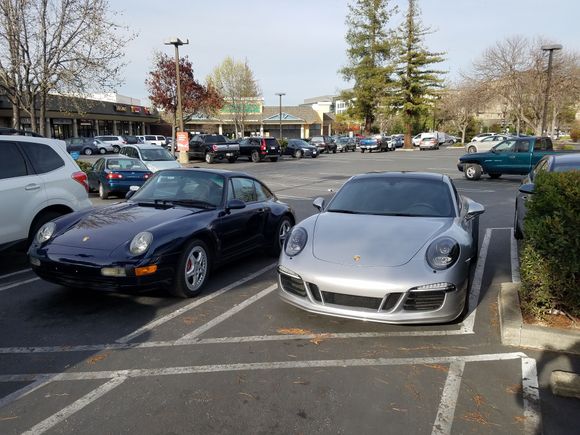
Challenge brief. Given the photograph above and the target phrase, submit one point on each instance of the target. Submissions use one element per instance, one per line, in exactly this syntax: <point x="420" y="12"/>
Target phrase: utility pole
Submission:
<point x="176" y="42"/>
<point x="549" y="48"/>
<point x="280" y="94"/>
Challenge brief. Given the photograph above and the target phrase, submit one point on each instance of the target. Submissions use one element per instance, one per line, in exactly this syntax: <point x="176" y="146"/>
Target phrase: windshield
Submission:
<point x="300" y="143"/>
<point x="125" y="165"/>
<point x="505" y="146"/>
<point x="394" y="196"/>
<point x="183" y="187"/>
<point x="343" y="140"/>
<point x="151" y="155"/>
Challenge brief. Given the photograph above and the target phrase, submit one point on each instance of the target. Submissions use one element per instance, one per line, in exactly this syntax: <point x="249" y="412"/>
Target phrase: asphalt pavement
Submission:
<point x="238" y="360"/>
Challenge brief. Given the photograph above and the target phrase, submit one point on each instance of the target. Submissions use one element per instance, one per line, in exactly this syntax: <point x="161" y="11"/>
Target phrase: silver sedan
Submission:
<point x="390" y="247"/>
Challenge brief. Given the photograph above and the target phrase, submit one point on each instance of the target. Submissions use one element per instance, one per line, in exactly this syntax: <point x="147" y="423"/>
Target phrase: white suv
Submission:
<point x="153" y="139"/>
<point x="116" y="141"/>
<point x="39" y="181"/>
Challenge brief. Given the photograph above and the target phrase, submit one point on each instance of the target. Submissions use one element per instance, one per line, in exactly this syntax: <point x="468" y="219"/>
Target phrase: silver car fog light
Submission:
<point x="113" y="271"/>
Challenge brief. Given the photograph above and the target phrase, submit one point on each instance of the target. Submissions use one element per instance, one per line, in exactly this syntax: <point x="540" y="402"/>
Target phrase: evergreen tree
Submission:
<point x="417" y="82"/>
<point x="370" y="58"/>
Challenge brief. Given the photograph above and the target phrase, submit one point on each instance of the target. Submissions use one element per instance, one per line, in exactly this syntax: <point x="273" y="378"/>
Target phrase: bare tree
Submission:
<point x="460" y="103"/>
<point x="70" y="47"/>
<point x="236" y="83"/>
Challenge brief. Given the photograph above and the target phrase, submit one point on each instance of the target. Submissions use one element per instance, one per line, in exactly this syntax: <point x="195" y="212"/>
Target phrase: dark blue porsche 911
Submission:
<point x="170" y="233"/>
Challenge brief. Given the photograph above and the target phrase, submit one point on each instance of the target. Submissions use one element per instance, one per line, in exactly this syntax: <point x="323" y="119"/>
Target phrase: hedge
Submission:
<point x="84" y="166"/>
<point x="550" y="265"/>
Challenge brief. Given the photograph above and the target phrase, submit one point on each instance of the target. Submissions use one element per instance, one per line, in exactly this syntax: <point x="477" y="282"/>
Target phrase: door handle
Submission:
<point x="512" y="157"/>
<point x="31" y="187"/>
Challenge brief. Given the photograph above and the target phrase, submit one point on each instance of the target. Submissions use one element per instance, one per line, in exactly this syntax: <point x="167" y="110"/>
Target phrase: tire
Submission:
<point x="87" y="151"/>
<point x="192" y="270"/>
<point x="472" y="172"/>
<point x="362" y="151"/>
<point x="494" y="176"/>
<point x="471" y="150"/>
<point x="102" y="151"/>
<point x="282" y="230"/>
<point x="255" y="157"/>
<point x="273" y="159"/>
<point x="209" y="158"/>
<point x="39" y="221"/>
<point x="103" y="194"/>
<point x="116" y="149"/>
<point x="334" y="151"/>
<point x="298" y="154"/>
<point x="232" y="159"/>
<point x="518" y="233"/>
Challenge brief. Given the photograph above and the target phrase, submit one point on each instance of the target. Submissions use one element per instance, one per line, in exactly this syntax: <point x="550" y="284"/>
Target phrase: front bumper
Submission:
<point x="460" y="166"/>
<point x="369" y="147"/>
<point x="350" y="294"/>
<point x="69" y="270"/>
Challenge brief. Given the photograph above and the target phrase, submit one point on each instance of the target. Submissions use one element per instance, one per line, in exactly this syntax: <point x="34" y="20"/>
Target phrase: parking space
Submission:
<point x="239" y="360"/>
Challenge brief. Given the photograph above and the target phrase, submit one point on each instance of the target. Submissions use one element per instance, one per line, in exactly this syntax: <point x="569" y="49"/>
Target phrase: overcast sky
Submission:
<point x="297" y="46"/>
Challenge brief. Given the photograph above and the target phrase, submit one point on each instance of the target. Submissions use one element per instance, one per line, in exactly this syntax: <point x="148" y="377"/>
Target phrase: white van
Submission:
<point x="152" y="139"/>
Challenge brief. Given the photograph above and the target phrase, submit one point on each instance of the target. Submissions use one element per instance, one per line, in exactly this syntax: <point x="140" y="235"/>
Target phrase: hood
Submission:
<point x="111" y="226"/>
<point x="479" y="156"/>
<point x="379" y="241"/>
<point x="158" y="165"/>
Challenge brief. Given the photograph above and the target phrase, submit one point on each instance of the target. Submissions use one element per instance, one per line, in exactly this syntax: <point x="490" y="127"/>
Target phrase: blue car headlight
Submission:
<point x="442" y="253"/>
<point x="141" y="243"/>
<point x="296" y="241"/>
<point x="45" y="232"/>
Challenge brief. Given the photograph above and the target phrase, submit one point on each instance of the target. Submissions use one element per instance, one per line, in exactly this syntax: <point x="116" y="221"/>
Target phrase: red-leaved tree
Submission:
<point x="195" y="97"/>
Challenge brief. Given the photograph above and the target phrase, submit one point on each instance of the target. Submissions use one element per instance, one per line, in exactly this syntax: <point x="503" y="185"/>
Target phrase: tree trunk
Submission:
<point x="408" y="136"/>
<point x="42" y="114"/>
<point x="16" y="116"/>
<point x="368" y="125"/>
<point x="32" y="110"/>
<point x="463" y="131"/>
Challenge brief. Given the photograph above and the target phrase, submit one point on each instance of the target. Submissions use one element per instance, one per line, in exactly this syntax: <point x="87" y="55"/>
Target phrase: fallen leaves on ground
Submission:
<point x="8" y="418"/>
<point x="478" y="399"/>
<point x="514" y="389"/>
<point x="293" y="331"/>
<point x="439" y="367"/>
<point x="95" y="359"/>
<point x="319" y="338"/>
<point x="247" y="394"/>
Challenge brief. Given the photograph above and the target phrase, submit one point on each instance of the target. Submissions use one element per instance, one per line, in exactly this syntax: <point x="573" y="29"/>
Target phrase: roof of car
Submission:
<point x="565" y="157"/>
<point x="144" y="146"/>
<point x="224" y="172"/>
<point x="415" y="175"/>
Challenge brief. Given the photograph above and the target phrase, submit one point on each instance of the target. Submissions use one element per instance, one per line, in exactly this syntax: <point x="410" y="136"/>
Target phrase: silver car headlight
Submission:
<point x="141" y="243"/>
<point x="296" y="241"/>
<point x="45" y="232"/>
<point x="443" y="253"/>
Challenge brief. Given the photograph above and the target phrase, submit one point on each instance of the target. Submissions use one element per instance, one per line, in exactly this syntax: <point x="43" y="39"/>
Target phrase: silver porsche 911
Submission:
<point x="392" y="247"/>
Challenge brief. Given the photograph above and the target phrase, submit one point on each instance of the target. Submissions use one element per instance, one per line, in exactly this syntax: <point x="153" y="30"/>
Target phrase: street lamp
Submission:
<point x="280" y="94"/>
<point x="176" y="42"/>
<point x="550" y="48"/>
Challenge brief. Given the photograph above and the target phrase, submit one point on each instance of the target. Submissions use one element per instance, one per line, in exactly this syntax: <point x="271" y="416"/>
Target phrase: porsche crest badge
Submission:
<point x="85" y="238"/>
<point x="356" y="258"/>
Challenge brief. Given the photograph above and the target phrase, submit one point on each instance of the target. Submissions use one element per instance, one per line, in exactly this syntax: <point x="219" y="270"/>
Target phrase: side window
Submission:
<point x="230" y="192"/>
<point x="43" y="158"/>
<point x="523" y="146"/>
<point x="12" y="163"/>
<point x="541" y="145"/>
<point x="124" y="151"/>
<point x="244" y="189"/>
<point x="262" y="192"/>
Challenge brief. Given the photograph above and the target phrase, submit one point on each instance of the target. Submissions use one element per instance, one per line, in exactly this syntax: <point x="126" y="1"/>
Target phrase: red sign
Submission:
<point x="182" y="141"/>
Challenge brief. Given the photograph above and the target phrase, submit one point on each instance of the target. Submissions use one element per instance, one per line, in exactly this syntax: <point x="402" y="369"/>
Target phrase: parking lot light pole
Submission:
<point x="280" y="94"/>
<point x="176" y="42"/>
<point x="549" y="48"/>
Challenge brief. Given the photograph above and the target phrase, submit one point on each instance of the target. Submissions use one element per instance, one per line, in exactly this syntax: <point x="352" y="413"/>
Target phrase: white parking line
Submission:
<point x="65" y="413"/>
<point x="531" y="396"/>
<point x="8" y="275"/>
<point x="192" y="305"/>
<point x="17" y="284"/>
<point x="446" y="411"/>
<point x="18" y="394"/>
<point x="219" y="319"/>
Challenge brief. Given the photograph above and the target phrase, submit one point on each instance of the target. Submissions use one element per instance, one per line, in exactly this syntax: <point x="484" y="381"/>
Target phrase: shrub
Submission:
<point x="575" y="132"/>
<point x="550" y="266"/>
<point x="84" y="166"/>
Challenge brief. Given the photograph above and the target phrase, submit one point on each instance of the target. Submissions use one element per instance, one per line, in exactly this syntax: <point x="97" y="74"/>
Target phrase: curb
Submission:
<point x="515" y="333"/>
<point x="565" y="384"/>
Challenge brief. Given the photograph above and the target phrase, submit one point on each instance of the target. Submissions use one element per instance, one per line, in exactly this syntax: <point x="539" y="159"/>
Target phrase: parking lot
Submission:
<point x="238" y="360"/>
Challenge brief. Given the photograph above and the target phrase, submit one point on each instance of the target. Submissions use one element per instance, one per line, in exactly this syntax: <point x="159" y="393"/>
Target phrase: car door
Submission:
<point x="520" y="158"/>
<point x="242" y="230"/>
<point x="93" y="174"/>
<point x="22" y="193"/>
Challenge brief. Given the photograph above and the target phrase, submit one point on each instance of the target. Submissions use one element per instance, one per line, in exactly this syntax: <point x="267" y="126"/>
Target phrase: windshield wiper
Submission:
<point x="338" y="210"/>
<point x="194" y="203"/>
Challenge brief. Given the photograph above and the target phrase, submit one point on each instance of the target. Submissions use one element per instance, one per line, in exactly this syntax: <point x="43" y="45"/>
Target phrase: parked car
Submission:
<point x="39" y="181"/>
<point x="299" y="148"/>
<point x="152" y="139"/>
<point x="171" y="233"/>
<point x="116" y="175"/>
<point x="391" y="142"/>
<point x="212" y="147"/>
<point x="372" y="143"/>
<point x="152" y="156"/>
<point x="517" y="155"/>
<point x="257" y="149"/>
<point x="345" y="143"/>
<point x="405" y="257"/>
<point x="429" y="141"/>
<point x="131" y="140"/>
<point x="85" y="145"/>
<point x="549" y="163"/>
<point x="416" y="140"/>
<point x="115" y="141"/>
<point x="324" y="144"/>
<point x="482" y="136"/>
<point x="485" y="144"/>
<point x="398" y="140"/>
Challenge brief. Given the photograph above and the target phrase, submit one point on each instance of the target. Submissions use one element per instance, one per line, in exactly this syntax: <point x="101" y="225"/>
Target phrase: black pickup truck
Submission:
<point x="260" y="148"/>
<point x="212" y="147"/>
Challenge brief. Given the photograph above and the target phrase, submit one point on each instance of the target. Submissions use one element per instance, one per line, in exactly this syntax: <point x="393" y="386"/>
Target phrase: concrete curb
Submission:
<point x="515" y="333"/>
<point x="565" y="384"/>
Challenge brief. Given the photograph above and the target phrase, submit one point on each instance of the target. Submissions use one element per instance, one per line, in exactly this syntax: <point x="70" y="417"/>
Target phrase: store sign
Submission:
<point x="135" y="109"/>
<point x="61" y="121"/>
<point x="120" y="108"/>
<point x="182" y="139"/>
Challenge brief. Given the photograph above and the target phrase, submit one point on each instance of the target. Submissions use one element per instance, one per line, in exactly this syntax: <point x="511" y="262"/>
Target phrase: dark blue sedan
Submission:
<point x="116" y="175"/>
<point x="171" y="233"/>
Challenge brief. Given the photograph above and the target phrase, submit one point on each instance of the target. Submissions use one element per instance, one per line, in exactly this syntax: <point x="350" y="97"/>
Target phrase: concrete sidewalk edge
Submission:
<point x="515" y="333"/>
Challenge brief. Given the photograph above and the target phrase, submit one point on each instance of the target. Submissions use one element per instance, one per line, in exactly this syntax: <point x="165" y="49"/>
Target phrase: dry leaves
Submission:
<point x="293" y="331"/>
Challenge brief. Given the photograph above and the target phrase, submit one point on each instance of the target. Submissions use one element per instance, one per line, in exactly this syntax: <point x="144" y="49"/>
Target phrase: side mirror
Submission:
<point x="527" y="188"/>
<point x="474" y="209"/>
<point x="318" y="203"/>
<point x="235" y="204"/>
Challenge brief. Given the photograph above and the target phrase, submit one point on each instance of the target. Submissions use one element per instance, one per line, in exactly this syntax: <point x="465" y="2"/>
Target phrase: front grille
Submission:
<point x="352" y="301"/>
<point x="292" y="285"/>
<point x="424" y="301"/>
<point x="391" y="301"/>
